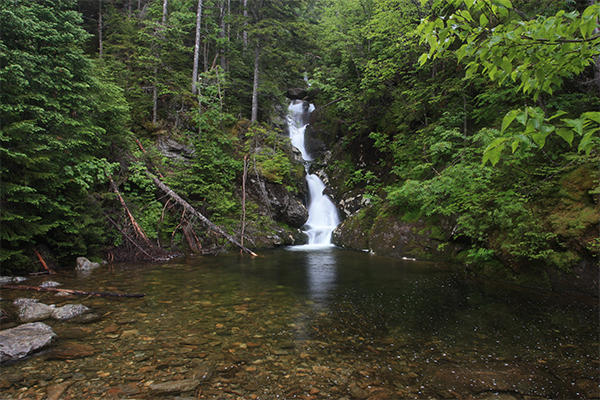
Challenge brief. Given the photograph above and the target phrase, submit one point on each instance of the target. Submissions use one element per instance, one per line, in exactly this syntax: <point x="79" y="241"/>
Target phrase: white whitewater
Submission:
<point x="322" y="214"/>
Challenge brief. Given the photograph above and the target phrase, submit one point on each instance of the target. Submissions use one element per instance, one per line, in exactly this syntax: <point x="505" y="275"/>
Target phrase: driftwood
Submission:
<point x="201" y="217"/>
<point x="126" y="236"/>
<point x="48" y="270"/>
<point x="136" y="227"/>
<point x="70" y="291"/>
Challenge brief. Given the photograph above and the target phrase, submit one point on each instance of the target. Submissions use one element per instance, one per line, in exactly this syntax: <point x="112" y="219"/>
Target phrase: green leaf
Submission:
<point x="504" y="3"/>
<point x="522" y="117"/>
<point x="576" y="124"/>
<point x="493" y="152"/>
<point x="508" y="119"/>
<point x="566" y="134"/>
<point x="483" y="20"/>
<point x="593" y="115"/>
<point x="515" y="144"/>
<point x="586" y="143"/>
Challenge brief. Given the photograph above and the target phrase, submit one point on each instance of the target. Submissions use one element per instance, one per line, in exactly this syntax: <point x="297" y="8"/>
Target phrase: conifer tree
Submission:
<point x="56" y="122"/>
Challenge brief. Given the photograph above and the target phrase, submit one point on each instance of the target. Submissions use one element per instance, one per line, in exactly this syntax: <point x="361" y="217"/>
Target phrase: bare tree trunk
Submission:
<point x="100" y="28"/>
<point x="164" y="19"/>
<point x="255" y="85"/>
<point x="244" y="177"/>
<point x="155" y="97"/>
<point x="222" y="35"/>
<point x="597" y="69"/>
<point x="245" y="34"/>
<point x="197" y="47"/>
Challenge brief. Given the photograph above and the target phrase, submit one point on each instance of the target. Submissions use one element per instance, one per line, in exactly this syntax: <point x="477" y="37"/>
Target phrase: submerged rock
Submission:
<point x="183" y="385"/>
<point x="16" y="343"/>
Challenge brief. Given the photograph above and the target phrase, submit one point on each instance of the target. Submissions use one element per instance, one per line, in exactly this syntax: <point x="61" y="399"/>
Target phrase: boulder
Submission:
<point x="16" y="343"/>
<point x="174" y="150"/>
<point x="83" y="264"/>
<point x="297" y="94"/>
<point x="31" y="310"/>
<point x="69" y="311"/>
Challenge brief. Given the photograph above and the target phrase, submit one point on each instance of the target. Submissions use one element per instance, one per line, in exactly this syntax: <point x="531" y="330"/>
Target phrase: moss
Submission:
<point x="564" y="261"/>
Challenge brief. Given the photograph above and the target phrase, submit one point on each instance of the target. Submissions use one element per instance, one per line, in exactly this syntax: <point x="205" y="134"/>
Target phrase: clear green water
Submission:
<point x="315" y="323"/>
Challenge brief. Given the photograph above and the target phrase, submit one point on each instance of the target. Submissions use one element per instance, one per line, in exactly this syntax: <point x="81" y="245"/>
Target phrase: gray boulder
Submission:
<point x="83" y="264"/>
<point x="31" y="310"/>
<point x="69" y="311"/>
<point x="174" y="150"/>
<point x="16" y="343"/>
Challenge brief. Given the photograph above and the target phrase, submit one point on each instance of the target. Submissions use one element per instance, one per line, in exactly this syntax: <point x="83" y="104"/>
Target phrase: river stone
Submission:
<point x="69" y="311"/>
<point x="183" y="385"/>
<point x="50" y="284"/>
<point x="203" y="372"/>
<point x="16" y="343"/>
<point x="56" y="391"/>
<point x="86" y="318"/>
<point x="5" y="280"/>
<point x="83" y="264"/>
<point x="31" y="310"/>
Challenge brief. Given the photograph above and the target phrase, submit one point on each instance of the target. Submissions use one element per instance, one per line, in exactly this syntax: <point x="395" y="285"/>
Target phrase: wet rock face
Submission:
<point x="16" y="343"/>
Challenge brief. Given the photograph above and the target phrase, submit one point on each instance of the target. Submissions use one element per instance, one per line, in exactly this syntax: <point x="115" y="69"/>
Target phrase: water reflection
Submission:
<point x="320" y="265"/>
<point x="324" y="319"/>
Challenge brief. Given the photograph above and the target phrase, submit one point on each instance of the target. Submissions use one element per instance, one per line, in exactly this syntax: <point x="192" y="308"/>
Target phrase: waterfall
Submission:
<point x="322" y="214"/>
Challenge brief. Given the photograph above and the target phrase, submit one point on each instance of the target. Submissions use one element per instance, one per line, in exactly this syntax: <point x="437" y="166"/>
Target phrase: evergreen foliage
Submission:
<point x="59" y="121"/>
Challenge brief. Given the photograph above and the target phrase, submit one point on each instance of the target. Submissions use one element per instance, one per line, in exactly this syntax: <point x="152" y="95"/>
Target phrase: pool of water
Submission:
<point x="311" y="323"/>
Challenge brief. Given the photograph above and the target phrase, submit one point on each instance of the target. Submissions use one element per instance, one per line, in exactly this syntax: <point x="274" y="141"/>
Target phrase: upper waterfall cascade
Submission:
<point x="322" y="213"/>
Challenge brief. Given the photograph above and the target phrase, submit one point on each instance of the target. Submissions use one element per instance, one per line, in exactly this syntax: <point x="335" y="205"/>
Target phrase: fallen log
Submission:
<point x="70" y="291"/>
<point x="193" y="211"/>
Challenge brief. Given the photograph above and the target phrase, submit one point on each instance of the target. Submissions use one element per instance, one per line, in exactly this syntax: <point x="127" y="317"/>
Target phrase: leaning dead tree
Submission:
<point x="197" y="214"/>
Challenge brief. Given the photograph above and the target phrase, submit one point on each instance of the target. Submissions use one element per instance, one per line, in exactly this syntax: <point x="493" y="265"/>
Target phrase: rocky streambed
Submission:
<point x="300" y="325"/>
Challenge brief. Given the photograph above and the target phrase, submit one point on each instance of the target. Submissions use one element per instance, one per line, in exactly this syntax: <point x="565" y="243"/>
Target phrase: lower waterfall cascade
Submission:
<point x="322" y="214"/>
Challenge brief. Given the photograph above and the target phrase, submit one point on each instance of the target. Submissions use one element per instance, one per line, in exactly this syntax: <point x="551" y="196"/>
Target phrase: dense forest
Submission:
<point x="473" y="124"/>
